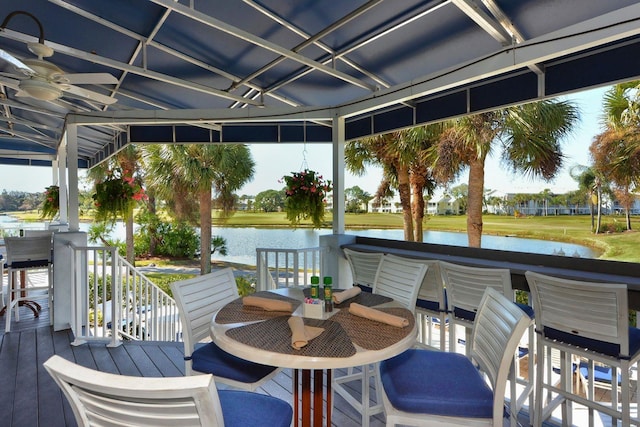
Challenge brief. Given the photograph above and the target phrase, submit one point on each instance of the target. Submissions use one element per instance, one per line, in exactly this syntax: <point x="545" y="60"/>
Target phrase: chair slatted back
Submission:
<point x="597" y="311"/>
<point x="465" y="285"/>
<point x="499" y="326"/>
<point x="100" y="398"/>
<point x="24" y="251"/>
<point x="198" y="299"/>
<point x="432" y="287"/>
<point x="364" y="266"/>
<point x="400" y="279"/>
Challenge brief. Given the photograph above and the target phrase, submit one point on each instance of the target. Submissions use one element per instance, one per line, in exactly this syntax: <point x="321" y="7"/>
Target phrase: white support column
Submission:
<point x="55" y="171"/>
<point x="72" y="168"/>
<point x="338" y="174"/>
<point x="334" y="262"/>
<point x="62" y="180"/>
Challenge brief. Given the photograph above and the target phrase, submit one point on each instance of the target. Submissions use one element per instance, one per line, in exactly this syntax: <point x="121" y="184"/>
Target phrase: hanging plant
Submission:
<point x="51" y="204"/>
<point x="116" y="196"/>
<point x="305" y="197"/>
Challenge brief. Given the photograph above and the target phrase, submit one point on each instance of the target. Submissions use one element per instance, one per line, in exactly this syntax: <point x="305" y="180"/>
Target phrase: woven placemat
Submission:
<point x="275" y="335"/>
<point x="363" y="298"/>
<point x="374" y="335"/>
<point x="236" y="312"/>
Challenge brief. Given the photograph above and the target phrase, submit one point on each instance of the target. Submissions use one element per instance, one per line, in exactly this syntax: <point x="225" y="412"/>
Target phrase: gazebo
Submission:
<point x="80" y="80"/>
<point x="160" y="71"/>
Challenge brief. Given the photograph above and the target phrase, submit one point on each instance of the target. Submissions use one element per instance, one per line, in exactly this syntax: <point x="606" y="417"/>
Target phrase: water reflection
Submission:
<point x="242" y="242"/>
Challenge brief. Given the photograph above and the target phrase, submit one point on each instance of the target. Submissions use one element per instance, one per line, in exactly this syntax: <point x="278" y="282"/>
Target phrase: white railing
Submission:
<point x="142" y="312"/>
<point x="282" y="268"/>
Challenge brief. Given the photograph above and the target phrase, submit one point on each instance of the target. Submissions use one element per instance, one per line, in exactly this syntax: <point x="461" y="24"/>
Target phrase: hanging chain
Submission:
<point x="304" y="165"/>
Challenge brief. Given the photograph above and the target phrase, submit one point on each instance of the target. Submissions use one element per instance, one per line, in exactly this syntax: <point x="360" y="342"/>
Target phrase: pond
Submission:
<point x="242" y="242"/>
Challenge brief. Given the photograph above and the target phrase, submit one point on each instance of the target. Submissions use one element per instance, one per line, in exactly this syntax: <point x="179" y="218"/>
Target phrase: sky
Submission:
<point x="273" y="161"/>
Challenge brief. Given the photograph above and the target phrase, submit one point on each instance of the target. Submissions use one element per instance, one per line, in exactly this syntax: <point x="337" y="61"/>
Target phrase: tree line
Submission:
<point x="183" y="183"/>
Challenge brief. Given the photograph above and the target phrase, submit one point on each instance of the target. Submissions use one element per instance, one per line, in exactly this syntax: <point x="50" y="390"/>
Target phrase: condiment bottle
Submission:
<point x="328" y="293"/>
<point x="315" y="287"/>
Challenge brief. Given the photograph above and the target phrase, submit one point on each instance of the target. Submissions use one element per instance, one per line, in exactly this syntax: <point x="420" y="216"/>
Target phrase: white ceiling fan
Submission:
<point x="43" y="80"/>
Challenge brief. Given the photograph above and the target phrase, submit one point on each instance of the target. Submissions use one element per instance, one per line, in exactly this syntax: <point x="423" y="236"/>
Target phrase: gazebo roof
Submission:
<point x="279" y="71"/>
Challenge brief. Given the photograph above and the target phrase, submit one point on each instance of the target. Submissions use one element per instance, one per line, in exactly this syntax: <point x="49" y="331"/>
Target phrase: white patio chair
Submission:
<point x="364" y="266"/>
<point x="590" y="321"/>
<point x="432" y="388"/>
<point x="465" y="287"/>
<point x="198" y="299"/>
<point x="398" y="278"/>
<point x="24" y="254"/>
<point x="431" y="305"/>
<point x="99" y="398"/>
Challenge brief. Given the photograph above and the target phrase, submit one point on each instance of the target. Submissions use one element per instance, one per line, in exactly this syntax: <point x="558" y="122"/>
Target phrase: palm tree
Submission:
<point x="529" y="137"/>
<point x="616" y="156"/>
<point x="616" y="151"/>
<point x="401" y="155"/>
<point x="180" y="170"/>
<point x="385" y="150"/>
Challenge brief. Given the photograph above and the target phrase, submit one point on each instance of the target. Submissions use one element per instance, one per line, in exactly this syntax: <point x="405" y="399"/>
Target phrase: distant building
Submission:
<point x="533" y="205"/>
<point x="388" y="205"/>
<point x="445" y="205"/>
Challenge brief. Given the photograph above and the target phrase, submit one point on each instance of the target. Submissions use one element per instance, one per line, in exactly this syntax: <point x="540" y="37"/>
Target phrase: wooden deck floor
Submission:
<point x="30" y="398"/>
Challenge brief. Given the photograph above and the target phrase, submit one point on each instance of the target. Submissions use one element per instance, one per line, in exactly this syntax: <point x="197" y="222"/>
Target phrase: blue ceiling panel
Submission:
<point x="396" y="118"/>
<point x="358" y="127"/>
<point x="518" y="88"/>
<point x="610" y="65"/>
<point x="442" y="107"/>
<point x="369" y="59"/>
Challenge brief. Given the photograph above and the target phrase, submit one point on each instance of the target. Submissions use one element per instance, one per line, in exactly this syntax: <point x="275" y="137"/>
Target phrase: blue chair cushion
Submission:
<point x="603" y="347"/>
<point x="437" y="383"/>
<point x="461" y="313"/>
<point x="365" y="288"/>
<point x="211" y="359"/>
<point x="432" y="305"/>
<point x="527" y="309"/>
<point x="602" y="374"/>
<point x="471" y="315"/>
<point x="243" y="408"/>
<point x="428" y="305"/>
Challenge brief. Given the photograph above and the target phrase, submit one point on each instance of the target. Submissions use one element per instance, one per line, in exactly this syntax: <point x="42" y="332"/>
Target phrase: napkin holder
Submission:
<point x="313" y="311"/>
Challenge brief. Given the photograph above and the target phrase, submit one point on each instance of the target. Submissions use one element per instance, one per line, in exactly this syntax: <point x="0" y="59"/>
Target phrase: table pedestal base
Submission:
<point x="31" y="305"/>
<point x="304" y="413"/>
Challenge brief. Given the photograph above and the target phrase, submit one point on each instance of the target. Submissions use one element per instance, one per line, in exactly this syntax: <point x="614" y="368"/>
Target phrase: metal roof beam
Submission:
<point x="607" y="28"/>
<point x="506" y="23"/>
<point x="312" y="39"/>
<point x="168" y="50"/>
<point x="357" y="45"/>
<point x="258" y="41"/>
<point x="199" y="116"/>
<point x="480" y="17"/>
<point x="97" y="59"/>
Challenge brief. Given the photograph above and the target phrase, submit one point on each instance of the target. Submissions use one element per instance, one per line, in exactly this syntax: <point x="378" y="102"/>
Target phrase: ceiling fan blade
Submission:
<point x="11" y="82"/>
<point x="16" y="63"/>
<point x="88" y="94"/>
<point x="89" y="78"/>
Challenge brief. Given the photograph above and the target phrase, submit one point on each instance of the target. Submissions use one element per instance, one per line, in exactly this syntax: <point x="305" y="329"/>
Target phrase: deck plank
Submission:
<point x="30" y="397"/>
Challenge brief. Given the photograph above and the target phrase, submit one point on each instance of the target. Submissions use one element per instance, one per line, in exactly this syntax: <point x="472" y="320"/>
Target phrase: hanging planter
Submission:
<point x="305" y="197"/>
<point x="51" y="204"/>
<point x="116" y="196"/>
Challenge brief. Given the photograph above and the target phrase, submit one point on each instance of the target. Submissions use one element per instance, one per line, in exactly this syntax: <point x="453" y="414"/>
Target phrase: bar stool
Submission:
<point x="588" y="321"/>
<point x="465" y="287"/>
<point x="24" y="254"/>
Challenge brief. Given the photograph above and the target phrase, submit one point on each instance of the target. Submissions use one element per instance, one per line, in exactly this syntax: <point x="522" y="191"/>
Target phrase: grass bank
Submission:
<point x="621" y="246"/>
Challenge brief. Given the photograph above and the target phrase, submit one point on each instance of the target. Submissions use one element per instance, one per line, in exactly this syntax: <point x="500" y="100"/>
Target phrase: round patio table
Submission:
<point x="347" y="340"/>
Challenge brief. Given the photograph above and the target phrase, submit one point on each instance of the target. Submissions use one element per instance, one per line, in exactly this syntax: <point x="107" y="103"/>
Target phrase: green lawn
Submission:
<point x="622" y="246"/>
